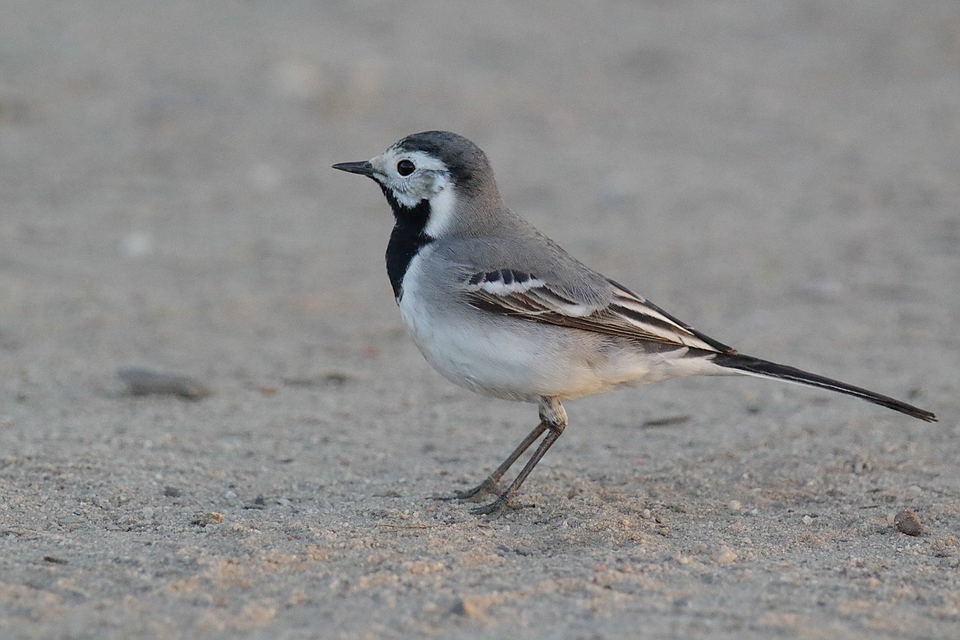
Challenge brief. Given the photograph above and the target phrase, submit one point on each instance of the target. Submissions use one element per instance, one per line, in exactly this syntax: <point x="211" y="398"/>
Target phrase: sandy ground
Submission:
<point x="784" y="176"/>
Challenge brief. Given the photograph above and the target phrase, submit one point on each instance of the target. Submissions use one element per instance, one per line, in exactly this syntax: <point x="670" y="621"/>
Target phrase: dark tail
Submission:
<point x="764" y="369"/>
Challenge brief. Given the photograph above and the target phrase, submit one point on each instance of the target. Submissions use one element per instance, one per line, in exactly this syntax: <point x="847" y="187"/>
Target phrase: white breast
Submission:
<point x="486" y="354"/>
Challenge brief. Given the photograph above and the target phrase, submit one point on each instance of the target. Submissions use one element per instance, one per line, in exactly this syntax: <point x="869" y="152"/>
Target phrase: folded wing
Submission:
<point x="623" y="313"/>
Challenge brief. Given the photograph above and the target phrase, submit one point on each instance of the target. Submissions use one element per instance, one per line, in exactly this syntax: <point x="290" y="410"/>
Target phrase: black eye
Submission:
<point x="405" y="167"/>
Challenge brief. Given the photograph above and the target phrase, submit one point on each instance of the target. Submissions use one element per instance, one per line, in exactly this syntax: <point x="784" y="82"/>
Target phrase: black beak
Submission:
<point x="363" y="168"/>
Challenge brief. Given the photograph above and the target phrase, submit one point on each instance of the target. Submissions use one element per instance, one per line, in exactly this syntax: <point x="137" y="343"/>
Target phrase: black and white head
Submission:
<point x="430" y="179"/>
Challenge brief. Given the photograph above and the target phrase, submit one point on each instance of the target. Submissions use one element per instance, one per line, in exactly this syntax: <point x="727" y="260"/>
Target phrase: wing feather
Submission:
<point x="624" y="314"/>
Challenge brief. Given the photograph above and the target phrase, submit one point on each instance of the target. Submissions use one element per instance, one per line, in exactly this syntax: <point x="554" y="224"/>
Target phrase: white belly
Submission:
<point x="521" y="360"/>
<point x="486" y="354"/>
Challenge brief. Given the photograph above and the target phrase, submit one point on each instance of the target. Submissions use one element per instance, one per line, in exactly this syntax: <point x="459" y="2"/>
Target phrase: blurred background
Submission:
<point x="166" y="193"/>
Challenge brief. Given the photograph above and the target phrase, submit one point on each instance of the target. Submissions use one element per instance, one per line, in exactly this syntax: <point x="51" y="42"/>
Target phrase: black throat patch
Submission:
<point x="406" y="240"/>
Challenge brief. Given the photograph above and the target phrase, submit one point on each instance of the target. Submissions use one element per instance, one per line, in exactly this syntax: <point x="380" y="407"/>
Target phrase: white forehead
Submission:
<point x="420" y="159"/>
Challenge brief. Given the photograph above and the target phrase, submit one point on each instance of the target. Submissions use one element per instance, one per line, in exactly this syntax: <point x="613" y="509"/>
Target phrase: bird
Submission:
<point x="497" y="307"/>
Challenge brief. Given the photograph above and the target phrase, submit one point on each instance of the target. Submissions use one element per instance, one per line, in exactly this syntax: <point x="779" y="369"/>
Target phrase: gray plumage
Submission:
<point x="500" y="309"/>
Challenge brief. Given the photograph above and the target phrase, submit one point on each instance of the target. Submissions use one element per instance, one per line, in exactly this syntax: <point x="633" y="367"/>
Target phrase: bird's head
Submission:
<point x="435" y="168"/>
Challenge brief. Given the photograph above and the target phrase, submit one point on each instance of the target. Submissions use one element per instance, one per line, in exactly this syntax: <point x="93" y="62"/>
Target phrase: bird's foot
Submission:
<point x="495" y="508"/>
<point x="487" y="487"/>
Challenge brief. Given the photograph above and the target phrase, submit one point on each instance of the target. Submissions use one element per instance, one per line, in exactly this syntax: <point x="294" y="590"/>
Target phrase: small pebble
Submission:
<point x="666" y="422"/>
<point x="734" y="506"/>
<point x="646" y="514"/>
<point x="725" y="556"/>
<point x="466" y="607"/>
<point x="908" y="522"/>
<point x="147" y="513"/>
<point x="172" y="492"/>
<point x="208" y="518"/>
<point x="807" y="520"/>
<point x="258" y="503"/>
<point x="142" y="382"/>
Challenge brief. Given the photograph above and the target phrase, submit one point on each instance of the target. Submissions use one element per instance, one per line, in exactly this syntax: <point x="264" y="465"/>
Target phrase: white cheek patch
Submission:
<point x="430" y="182"/>
<point x="442" y="208"/>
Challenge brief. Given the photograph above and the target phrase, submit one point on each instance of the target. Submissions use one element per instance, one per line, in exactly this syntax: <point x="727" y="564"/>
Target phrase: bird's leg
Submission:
<point x="553" y="415"/>
<point x="490" y="484"/>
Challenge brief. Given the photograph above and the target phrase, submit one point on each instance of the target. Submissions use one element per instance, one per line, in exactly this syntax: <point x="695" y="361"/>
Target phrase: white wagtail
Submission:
<point x="500" y="309"/>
